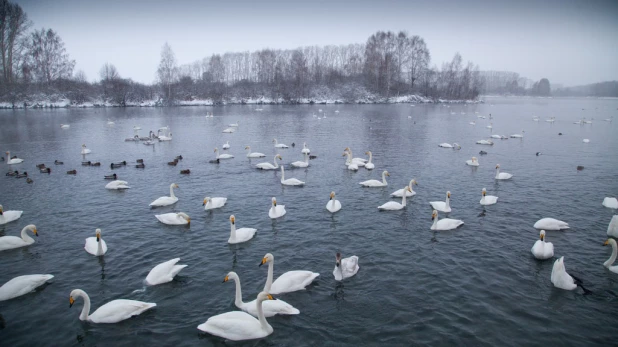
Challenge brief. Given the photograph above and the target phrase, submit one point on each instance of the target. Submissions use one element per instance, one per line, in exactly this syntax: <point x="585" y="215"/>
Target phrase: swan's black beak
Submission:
<point x="263" y="262"/>
<point x="337" y="264"/>
<point x="98" y="238"/>
<point x="71" y="302"/>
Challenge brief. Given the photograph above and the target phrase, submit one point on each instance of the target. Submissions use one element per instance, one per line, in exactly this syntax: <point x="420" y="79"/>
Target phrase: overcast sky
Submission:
<point x="570" y="42"/>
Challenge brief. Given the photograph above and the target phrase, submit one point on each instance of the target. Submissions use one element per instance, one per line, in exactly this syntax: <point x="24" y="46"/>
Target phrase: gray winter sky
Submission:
<point x="568" y="41"/>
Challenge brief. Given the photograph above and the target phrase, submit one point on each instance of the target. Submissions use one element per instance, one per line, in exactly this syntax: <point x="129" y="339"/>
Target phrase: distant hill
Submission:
<point x="602" y="89"/>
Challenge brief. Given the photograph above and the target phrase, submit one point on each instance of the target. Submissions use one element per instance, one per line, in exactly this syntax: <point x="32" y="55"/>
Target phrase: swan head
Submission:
<point x="185" y="216"/>
<point x="206" y="200"/>
<point x="338" y="259"/>
<point x="98" y="233"/>
<point x="231" y="275"/>
<point x="542" y="235"/>
<point x="434" y="215"/>
<point x="268" y="257"/>
<point x="216" y="149"/>
<point x="274" y="200"/>
<point x="386" y="173"/>
<point x="414" y="182"/>
<point x="610" y="242"/>
<point x="484" y="192"/>
<point x="247" y="147"/>
<point x="497" y="166"/>
<point x="368" y="152"/>
<point x="332" y="195"/>
<point x="448" y="195"/>
<point x="274" y="140"/>
<point x="174" y="185"/>
<point x="84" y="145"/>
<point x="232" y="219"/>
<point x="1" y="210"/>
<point x="264" y="296"/>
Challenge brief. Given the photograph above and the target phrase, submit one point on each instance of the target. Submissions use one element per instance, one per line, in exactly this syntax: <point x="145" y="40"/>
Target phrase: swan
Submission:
<point x="376" y="183"/>
<point x="222" y="156"/>
<point x="164" y="272"/>
<point x="305" y="149"/>
<point x="12" y="161"/>
<point x="270" y="307"/>
<point x="536" y="119"/>
<point x="518" y="136"/>
<point x="333" y="204"/>
<point x="117" y="185"/>
<point x="96" y="245"/>
<point x="290" y="281"/>
<point x="473" y="123"/>
<point x="304" y="163"/>
<point x="179" y="218"/>
<point x="226" y="145"/>
<point x="488" y="199"/>
<point x="240" y="235"/>
<point x="542" y="250"/>
<point x="165" y="138"/>
<point x="254" y="154"/>
<point x="445" y="145"/>
<point x="10" y="242"/>
<point x="612" y="258"/>
<point x="65" y="126"/>
<point x="21" y="285"/>
<point x="349" y="164"/>
<point x="490" y="126"/>
<point x="212" y="203"/>
<point x="9" y="216"/>
<point x="136" y="128"/>
<point x="233" y="125"/>
<point x="473" y="162"/>
<point x="444" y="223"/>
<point x="166" y="200"/>
<point x="112" y="312"/>
<point x="610" y="203"/>
<point x="358" y="161"/>
<point x="279" y="145"/>
<point x="551" y="120"/>
<point x="392" y="205"/>
<point x="269" y="166"/>
<point x="85" y="150"/>
<point x="551" y="224"/>
<point x="442" y="206"/>
<point x="369" y="165"/>
<point x="409" y="192"/>
<point x="229" y="130"/>
<point x="586" y="141"/>
<point x="612" y="228"/>
<point x="276" y="211"/>
<point x="502" y="175"/>
<point x="485" y="142"/>
<point x="239" y="326"/>
<point x="560" y="278"/>
<point x="290" y="181"/>
<point x="110" y="122"/>
<point x="346" y="267"/>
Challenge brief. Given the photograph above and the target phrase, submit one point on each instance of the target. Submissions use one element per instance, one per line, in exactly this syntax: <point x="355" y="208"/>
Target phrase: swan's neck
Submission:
<point x="100" y="246"/>
<point x="403" y="199"/>
<point x="370" y="156"/>
<point x="497" y="172"/>
<point x="448" y="201"/>
<point x="269" y="278"/>
<point x="483" y="198"/>
<point x="349" y="160"/>
<point x="612" y="259"/>
<point x="216" y="154"/>
<point x="282" y="174"/>
<point x="261" y="317"/>
<point x="86" y="309"/>
<point x="172" y="191"/>
<point x="384" y="179"/>
<point x="411" y="185"/>
<point x="238" y="300"/>
<point x="275" y="161"/>
<point x="25" y="236"/>
<point x="306" y="158"/>
<point x="435" y="223"/>
<point x="248" y="151"/>
<point x="233" y="232"/>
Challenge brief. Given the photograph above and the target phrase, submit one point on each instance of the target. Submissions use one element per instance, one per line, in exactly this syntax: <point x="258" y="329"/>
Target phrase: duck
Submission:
<point x="213" y="161"/>
<point x="58" y="162"/>
<point x="96" y="245"/>
<point x="22" y="175"/>
<point x="72" y="172"/>
<point x="392" y="205"/>
<point x="226" y="145"/>
<point x="110" y="177"/>
<point x="239" y="235"/>
<point x="542" y="250"/>
<point x="551" y="224"/>
<point x="279" y="145"/>
<point x="222" y="156"/>
<point x="290" y="281"/>
<point x="290" y="181"/>
<point x="86" y="163"/>
<point x="482" y="153"/>
<point x="502" y="175"/>
<point x="485" y="142"/>
<point x="11" y="242"/>
<point x="29" y="180"/>
<point x="612" y="258"/>
<point x="333" y="204"/>
<point x="487" y="199"/>
<point x="12" y="173"/>
<point x="40" y="166"/>
<point x="212" y="203"/>
<point x="346" y="267"/>
<point x="166" y="200"/>
<point x="269" y="166"/>
<point x="21" y="285"/>
<point x="164" y="272"/>
<point x="14" y="160"/>
<point x="113" y="312"/>
<point x="560" y="278"/>
<point x="349" y="164"/>
<point x="444" y="223"/>
<point x="185" y="172"/>
<point x="254" y="154"/>
<point x="610" y="203"/>
<point x="518" y="136"/>
<point x="85" y="150"/>
<point x="240" y="326"/>
<point x="179" y="157"/>
<point x="304" y="163"/>
<point x="140" y="166"/>
<point x="179" y="218"/>
<point x="117" y="165"/>
<point x="270" y="307"/>
<point x="175" y="162"/>
<point x="139" y="161"/>
<point x="369" y="165"/>
<point x="409" y="192"/>
<point x="472" y="162"/>
<point x="442" y="206"/>
<point x="117" y="185"/>
<point x="376" y="183"/>
<point x="96" y="163"/>
<point x="276" y="211"/>
<point x="612" y="228"/>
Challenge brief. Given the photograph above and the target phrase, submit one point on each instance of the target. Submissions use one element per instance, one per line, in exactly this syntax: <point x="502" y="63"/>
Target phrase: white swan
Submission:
<point x="490" y="126"/>
<point x="369" y="165"/>
<point x="290" y="281"/>
<point x="212" y="203"/>
<point x="112" y="312"/>
<point x="518" y="136"/>
<point x="473" y="162"/>
<point x="290" y="181"/>
<point x="10" y="242"/>
<point x="136" y="128"/>
<point x="488" y="199"/>
<point x="560" y="278"/>
<point x="164" y="272"/>
<point x="179" y="218"/>
<point x="502" y="175"/>
<point x="551" y="224"/>
<point x="226" y="145"/>
<point x="305" y="149"/>
<point x="333" y="205"/>
<point x="612" y="258"/>
<point x="586" y="141"/>
<point x="445" y="145"/>
<point x="542" y="250"/>
<point x="233" y="125"/>
<point x="345" y="268"/>
<point x="473" y="123"/>
<point x="442" y="206"/>
<point x="610" y="203"/>
<point x="409" y="192"/>
<point x="96" y="245"/>
<point x="304" y="163"/>
<point x="239" y="326"/>
<point x="376" y="183"/>
<point x="117" y="185"/>
<point x="222" y="156"/>
<point x="444" y="223"/>
<point x="65" y="126"/>
<point x="276" y="211"/>
<point x="9" y="216"/>
<point x="270" y="307"/>
<point x="392" y="205"/>
<point x="167" y="137"/>
<point x="269" y="166"/>
<point x="240" y="235"/>
<point x="110" y="122"/>
<point x="21" y="285"/>
<point x="85" y="150"/>
<point x="496" y="136"/>
<point x="254" y="154"/>
<point x="485" y="142"/>
<point x="349" y="164"/>
<point x="358" y="161"/>
<point x="279" y="145"/>
<point x="12" y="161"/>
<point x="229" y="130"/>
<point x="166" y="200"/>
<point x="612" y="228"/>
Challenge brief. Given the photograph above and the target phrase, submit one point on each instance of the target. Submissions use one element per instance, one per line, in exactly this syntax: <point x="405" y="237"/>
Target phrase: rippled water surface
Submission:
<point x="477" y="285"/>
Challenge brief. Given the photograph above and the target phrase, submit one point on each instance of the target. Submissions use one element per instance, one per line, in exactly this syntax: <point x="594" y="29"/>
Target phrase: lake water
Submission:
<point x="478" y="285"/>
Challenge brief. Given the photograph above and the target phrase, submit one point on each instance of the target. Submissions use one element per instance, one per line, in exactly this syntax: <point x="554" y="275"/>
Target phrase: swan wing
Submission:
<point x="164" y="201"/>
<point x="171" y="219"/>
<point x="560" y="278"/>
<point x="292" y="281"/>
<point x="21" y="285"/>
<point x="9" y="216"/>
<point x="292" y="182"/>
<point x="350" y="266"/>
<point x="270" y="308"/>
<point x="243" y="235"/>
<point x="119" y="310"/>
<point x="10" y="242"/>
<point x="550" y="224"/>
<point x="333" y="206"/>
<point x="610" y="203"/>
<point x="92" y="246"/>
<point x="371" y="183"/>
<point x="612" y="228"/>
<point x="449" y="224"/>
<point x="542" y="250"/>
<point x="164" y="272"/>
<point x="391" y="205"/>
<point x="235" y="326"/>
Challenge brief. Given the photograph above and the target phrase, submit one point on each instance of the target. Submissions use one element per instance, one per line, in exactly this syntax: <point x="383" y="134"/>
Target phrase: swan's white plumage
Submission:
<point x="269" y="307"/>
<point x="290" y="281"/>
<point x="279" y="145"/>
<point x="85" y="150"/>
<point x="269" y="166"/>
<point x="304" y="163"/>
<point x="12" y="161"/>
<point x="96" y="245"/>
<point x="222" y="156"/>
<point x="345" y="268"/>
<point x="276" y="211"/>
<point x="472" y="162"/>
<point x="112" y="312"/>
<point x="551" y="224"/>
<point x="212" y="203"/>
<point x="21" y="285"/>
<point x="487" y="199"/>
<point x="608" y="263"/>
<point x="10" y="242"/>
<point x="179" y="218"/>
<point x="333" y="204"/>
<point x="484" y="142"/>
<point x="445" y="223"/>
<point x="502" y="175"/>
<point x="610" y="203"/>
<point x="399" y="193"/>
<point x="442" y="206"/>
<point x="290" y="181"/>
<point x="166" y="200"/>
<point x="164" y="272"/>
<point x="612" y="228"/>
<point x="254" y="154"/>
<point x="376" y="183"/>
<point x="369" y="165"/>
<point x="542" y="250"/>
<point x="560" y="278"/>
<point x="445" y="145"/>
<point x="392" y="205"/>
<point x="239" y="235"/>
<point x="116" y="185"/>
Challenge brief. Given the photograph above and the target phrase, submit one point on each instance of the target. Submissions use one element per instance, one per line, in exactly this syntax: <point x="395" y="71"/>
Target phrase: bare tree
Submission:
<point x="168" y="70"/>
<point x="80" y="76"/>
<point x="49" y="59"/>
<point x="13" y="25"/>
<point x="108" y="72"/>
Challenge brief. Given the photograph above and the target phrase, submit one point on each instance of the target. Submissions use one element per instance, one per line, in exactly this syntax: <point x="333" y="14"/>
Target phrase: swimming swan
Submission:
<point x="610" y="203"/>
<point x="290" y="181"/>
<point x="409" y="192"/>
<point x="279" y="145"/>
<point x="376" y="183"/>
<point x="10" y="242"/>
<point x="166" y="200"/>
<point x="445" y="223"/>
<point x="212" y="203"/>
<point x="305" y="149"/>
<point x="612" y="228"/>
<point x="12" y="161"/>
<point x="179" y="218"/>
<point x="488" y="199"/>
<point x="164" y="272"/>
<point x="502" y="175"/>
<point x="269" y="166"/>
<point x="254" y="154"/>
<point x="350" y="165"/>
<point x="304" y="163"/>
<point x="542" y="250"/>
<point x="560" y="278"/>
<point x="270" y="307"/>
<point x="21" y="285"/>
<point x="95" y="245"/>
<point x="112" y="312"/>
<point x="442" y="206"/>
<point x="369" y="165"/>
<point x="473" y="162"/>
<point x="226" y="145"/>
<point x="222" y="156"/>
<point x="240" y="235"/>
<point x="345" y="268"/>
<point x="358" y="161"/>
<point x="333" y="204"/>
<point x="392" y="205"/>
<point x="290" y="281"/>
<point x="551" y="224"/>
<point x="115" y="185"/>
<point x="276" y="211"/>
<point x="9" y="216"/>
<point x="85" y="150"/>
<point x="612" y="258"/>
